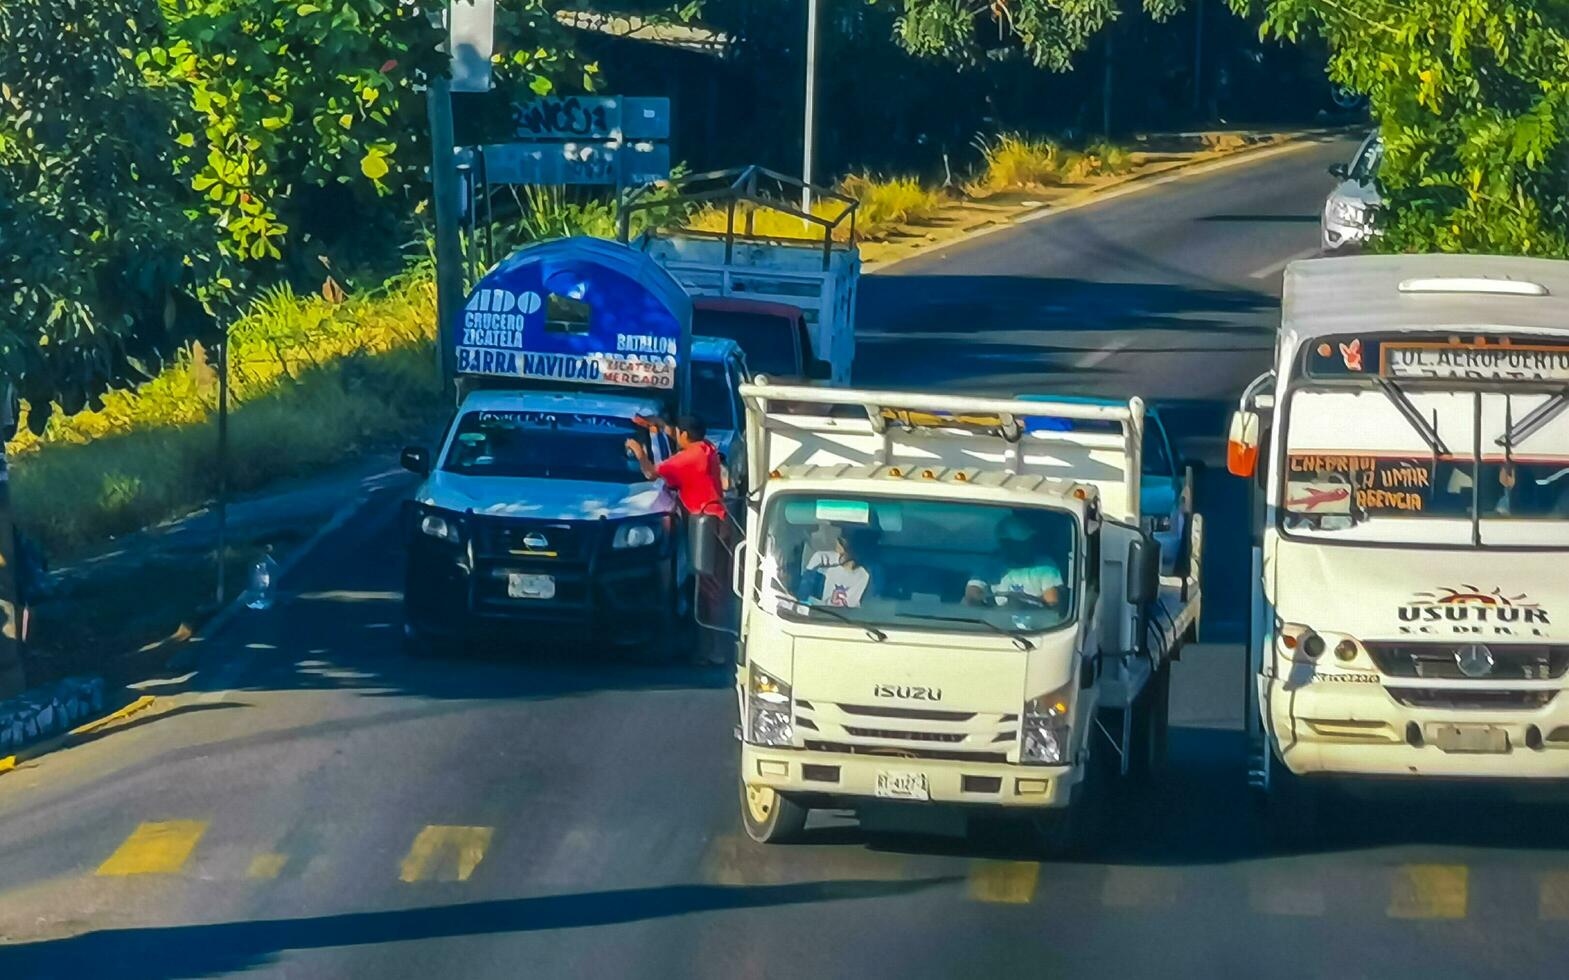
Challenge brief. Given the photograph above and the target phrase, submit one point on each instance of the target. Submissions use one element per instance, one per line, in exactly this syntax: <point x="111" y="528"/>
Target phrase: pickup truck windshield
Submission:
<point x="546" y="445"/>
<point x="768" y="341"/>
<point x="1427" y="463"/>
<point x="920" y="564"/>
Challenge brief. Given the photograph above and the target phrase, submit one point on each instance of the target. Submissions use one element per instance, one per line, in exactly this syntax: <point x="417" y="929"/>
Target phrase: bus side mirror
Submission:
<point x="1242" y="443"/>
<point x="1143" y="586"/>
<point x="704" y="549"/>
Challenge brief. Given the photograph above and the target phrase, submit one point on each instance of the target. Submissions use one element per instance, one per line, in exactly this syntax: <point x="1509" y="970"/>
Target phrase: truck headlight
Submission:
<point x="444" y="528"/>
<point x="769" y="719"/>
<point x="636" y="536"/>
<point x="1045" y="730"/>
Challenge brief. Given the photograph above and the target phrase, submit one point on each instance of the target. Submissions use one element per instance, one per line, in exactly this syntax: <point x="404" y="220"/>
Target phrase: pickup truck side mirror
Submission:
<point x="819" y="370"/>
<point x="704" y="549"/>
<point x="416" y="460"/>
<point x="1242" y="443"/>
<point x="1143" y="586"/>
<point x="1340" y="171"/>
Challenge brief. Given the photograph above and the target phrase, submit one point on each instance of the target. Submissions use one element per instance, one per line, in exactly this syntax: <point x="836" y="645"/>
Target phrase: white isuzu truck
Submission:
<point x="1411" y="559"/>
<point x="947" y="603"/>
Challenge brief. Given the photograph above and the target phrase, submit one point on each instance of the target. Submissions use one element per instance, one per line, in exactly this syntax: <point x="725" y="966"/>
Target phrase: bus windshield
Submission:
<point x="919" y="564"/>
<point x="1427" y="463"/>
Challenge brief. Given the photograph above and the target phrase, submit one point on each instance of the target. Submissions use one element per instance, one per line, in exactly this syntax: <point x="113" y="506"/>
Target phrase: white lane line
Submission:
<point x="1275" y="268"/>
<point x="1097" y="357"/>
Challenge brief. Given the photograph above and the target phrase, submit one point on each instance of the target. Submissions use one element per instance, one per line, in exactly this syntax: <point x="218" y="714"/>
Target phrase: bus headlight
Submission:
<point x="1045" y="729"/>
<point x="769" y="716"/>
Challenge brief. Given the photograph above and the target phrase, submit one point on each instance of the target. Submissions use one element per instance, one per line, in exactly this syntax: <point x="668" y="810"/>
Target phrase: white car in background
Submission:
<point x="1347" y="223"/>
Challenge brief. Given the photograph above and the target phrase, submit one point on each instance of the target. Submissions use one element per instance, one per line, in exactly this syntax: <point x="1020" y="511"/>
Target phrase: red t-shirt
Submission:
<point x="694" y="474"/>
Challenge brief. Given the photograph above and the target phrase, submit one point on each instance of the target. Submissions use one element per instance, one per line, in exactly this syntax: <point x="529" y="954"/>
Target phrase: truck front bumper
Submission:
<point x="1364" y="728"/>
<point x="847" y="778"/>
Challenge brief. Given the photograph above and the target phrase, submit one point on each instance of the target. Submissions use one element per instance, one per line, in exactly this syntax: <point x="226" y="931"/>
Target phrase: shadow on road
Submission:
<point x="164" y="953"/>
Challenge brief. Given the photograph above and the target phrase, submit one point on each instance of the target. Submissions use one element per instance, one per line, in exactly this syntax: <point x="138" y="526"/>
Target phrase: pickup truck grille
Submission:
<point x="1513" y="662"/>
<point x="507" y="538"/>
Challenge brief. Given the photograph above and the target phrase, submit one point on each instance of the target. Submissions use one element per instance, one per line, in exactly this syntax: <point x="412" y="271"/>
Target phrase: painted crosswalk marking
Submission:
<point x="1290" y="894"/>
<point x="1553" y="897"/>
<point x="160" y="848"/>
<point x="267" y="865"/>
<point x="1004" y="882"/>
<point x="1429" y="891"/>
<point x="442" y="853"/>
<point x="1127" y="888"/>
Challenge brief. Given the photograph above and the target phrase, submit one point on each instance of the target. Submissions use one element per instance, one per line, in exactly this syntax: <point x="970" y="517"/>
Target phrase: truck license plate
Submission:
<point x="903" y="786"/>
<point x="1470" y="738"/>
<point x="520" y="586"/>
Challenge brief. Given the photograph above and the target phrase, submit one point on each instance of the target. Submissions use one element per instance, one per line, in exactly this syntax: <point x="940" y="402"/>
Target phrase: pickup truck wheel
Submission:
<point x="770" y="816"/>
<point x="425" y="646"/>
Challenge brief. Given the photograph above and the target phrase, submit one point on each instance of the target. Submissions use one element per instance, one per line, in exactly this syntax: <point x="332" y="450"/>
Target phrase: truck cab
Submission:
<point x="533" y="509"/>
<point x="1410" y="453"/>
<point x="939" y="602"/>
<point x="719" y="369"/>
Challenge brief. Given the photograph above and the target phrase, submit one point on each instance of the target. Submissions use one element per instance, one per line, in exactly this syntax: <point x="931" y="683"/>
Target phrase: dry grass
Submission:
<point x="1016" y="162"/>
<point x="312" y="382"/>
<point x="884" y="204"/>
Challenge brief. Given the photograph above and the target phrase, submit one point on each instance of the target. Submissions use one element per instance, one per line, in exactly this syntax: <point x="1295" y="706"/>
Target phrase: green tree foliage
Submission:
<point x="97" y="245"/>
<point x="1472" y="97"/>
<point x="1051" y="31"/>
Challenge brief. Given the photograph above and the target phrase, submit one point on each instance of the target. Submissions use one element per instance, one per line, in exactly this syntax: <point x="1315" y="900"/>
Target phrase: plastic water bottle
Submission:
<point x="264" y="577"/>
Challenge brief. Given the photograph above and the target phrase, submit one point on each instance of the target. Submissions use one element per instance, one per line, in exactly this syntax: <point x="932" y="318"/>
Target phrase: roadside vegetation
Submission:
<point x="1020" y="162"/>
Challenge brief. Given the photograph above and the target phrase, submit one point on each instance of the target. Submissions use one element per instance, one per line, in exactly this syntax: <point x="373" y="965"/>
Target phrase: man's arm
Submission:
<point x="650" y="471"/>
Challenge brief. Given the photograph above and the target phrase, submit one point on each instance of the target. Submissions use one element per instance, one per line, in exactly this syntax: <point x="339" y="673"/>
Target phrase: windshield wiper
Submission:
<point x="1428" y="432"/>
<point x="1017" y="636"/>
<point x="871" y="631"/>
<point x="1518" y="432"/>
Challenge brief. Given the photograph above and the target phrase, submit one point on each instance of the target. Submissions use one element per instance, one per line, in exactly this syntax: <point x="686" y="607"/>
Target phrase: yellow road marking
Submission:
<point x="1004" y="882"/>
<point x="446" y="853"/>
<point x="1553" y="904"/>
<point x="267" y="865"/>
<point x="1429" y="891"/>
<point x="155" y="849"/>
<point x="140" y="704"/>
<point x="1128" y="888"/>
<point x="8" y="763"/>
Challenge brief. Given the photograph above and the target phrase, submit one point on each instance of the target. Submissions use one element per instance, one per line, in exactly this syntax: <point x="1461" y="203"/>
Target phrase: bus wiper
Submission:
<point x="871" y="631"/>
<point x="1017" y="636"/>
<point x="1428" y="432"/>
<point x="1518" y="432"/>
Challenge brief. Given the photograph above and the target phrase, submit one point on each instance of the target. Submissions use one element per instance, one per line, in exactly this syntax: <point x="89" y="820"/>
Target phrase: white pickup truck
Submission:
<point x="947" y="602"/>
<point x="1411" y="600"/>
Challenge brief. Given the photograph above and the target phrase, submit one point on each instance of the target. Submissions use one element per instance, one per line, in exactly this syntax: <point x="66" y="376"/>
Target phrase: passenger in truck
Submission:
<point x="844" y="578"/>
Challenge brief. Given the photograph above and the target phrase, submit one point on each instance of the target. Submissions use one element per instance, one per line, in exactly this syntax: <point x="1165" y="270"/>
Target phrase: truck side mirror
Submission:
<point x="416" y="460"/>
<point x="818" y="369"/>
<point x="1143" y="586"/>
<point x="704" y="549"/>
<point x="1340" y="171"/>
<point x="1242" y="443"/>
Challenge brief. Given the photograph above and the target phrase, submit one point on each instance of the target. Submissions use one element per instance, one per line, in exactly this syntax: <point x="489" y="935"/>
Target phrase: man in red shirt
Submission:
<point x="694" y="473"/>
<point x="697" y="476"/>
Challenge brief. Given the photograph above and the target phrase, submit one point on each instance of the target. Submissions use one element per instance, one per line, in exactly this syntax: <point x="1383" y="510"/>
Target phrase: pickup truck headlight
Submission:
<point x="637" y="535"/>
<point x="1045" y="729"/>
<point x="769" y="717"/>
<point x="1347" y="212"/>
<point x="445" y="528"/>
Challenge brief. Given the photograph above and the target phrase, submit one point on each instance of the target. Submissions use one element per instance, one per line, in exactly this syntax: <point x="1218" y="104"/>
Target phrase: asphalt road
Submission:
<point x="316" y="805"/>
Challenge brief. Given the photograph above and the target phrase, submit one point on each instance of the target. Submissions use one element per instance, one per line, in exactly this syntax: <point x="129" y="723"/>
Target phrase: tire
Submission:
<point x="771" y="817"/>
<point x="1073" y="831"/>
<point x="1291" y="805"/>
<point x="424" y="646"/>
<point x="1153" y="726"/>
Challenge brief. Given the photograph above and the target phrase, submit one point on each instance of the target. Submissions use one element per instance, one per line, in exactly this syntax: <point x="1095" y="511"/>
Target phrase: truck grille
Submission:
<point x="890" y="734"/>
<point x="919" y="714"/>
<point x="1514" y="662"/>
<point x="1449" y="699"/>
<point x="906" y="753"/>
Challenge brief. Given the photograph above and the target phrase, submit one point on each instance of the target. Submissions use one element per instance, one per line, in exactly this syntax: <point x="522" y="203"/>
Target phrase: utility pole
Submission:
<point x="810" y="137"/>
<point x="1198" y="57"/>
<point x="13" y="681"/>
<point x="449" y="251"/>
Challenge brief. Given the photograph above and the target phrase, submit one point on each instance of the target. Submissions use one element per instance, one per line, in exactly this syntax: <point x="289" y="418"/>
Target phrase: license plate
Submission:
<point x="520" y="586"/>
<point x="1470" y="738"/>
<point x="903" y="786"/>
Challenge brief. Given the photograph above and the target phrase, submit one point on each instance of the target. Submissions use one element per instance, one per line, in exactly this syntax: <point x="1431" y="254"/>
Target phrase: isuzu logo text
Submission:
<point x="907" y="693"/>
<point x="1470" y="611"/>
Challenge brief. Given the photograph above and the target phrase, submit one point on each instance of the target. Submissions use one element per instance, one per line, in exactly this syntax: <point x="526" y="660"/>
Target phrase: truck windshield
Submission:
<point x="545" y="445"/>
<point x="920" y="564"/>
<point x="1427" y="463"/>
<point x="768" y="341"/>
